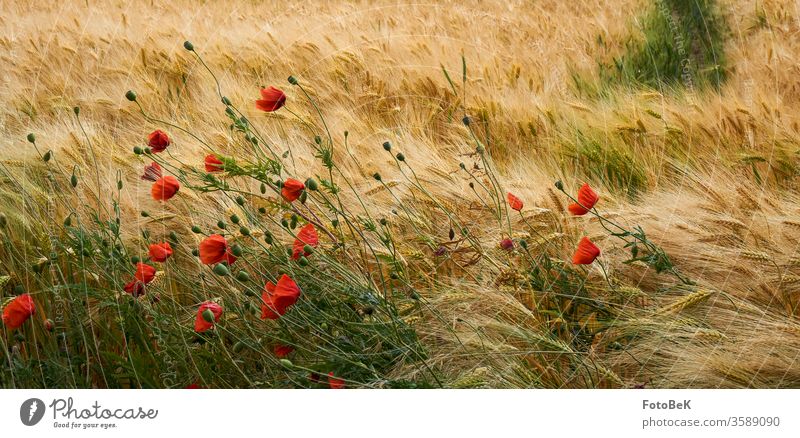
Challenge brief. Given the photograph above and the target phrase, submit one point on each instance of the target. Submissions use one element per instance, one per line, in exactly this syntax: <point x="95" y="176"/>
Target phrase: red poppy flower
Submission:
<point x="292" y="189"/>
<point x="165" y="188"/>
<point x="586" y="200"/>
<point x="514" y="202"/>
<point x="213" y="164"/>
<point x="586" y="252"/>
<point x="282" y="351"/>
<point x="271" y="99"/>
<point x="194" y="386"/>
<point x="200" y="323"/>
<point x="507" y="244"/>
<point x="158" y="140"/>
<point x="306" y="236"/>
<point x="152" y="172"/>
<point x="214" y="249"/>
<point x="335" y="383"/>
<point x="160" y="252"/>
<point x="143" y="276"/>
<point x="277" y="298"/>
<point x="18" y="311"/>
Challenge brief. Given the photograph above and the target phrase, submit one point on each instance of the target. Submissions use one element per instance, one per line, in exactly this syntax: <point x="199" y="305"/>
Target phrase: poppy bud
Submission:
<point x="263" y="188"/>
<point x="466" y="120"/>
<point x="507" y="244"/>
<point x="479" y="149"/>
<point x="377" y="176"/>
<point x="173" y="236"/>
<point x="146" y="234"/>
<point x="130" y="95"/>
<point x="387" y="146"/>
<point x="462" y="166"/>
<point x="401" y="157"/>
<point x="240" y="200"/>
<point x="303" y="261"/>
<point x="68" y="221"/>
<point x="3" y="220"/>
<point x="335" y="223"/>
<point x="225" y="100"/>
<point x="138" y="150"/>
<point x="230" y="112"/>
<point x="195" y="252"/>
<point x="308" y="249"/>
<point x="262" y="210"/>
<point x="235" y="219"/>
<point x="244" y="231"/>
<point x="188" y="46"/>
<point x="196" y="229"/>
<point x="383" y="221"/>
<point x="48" y="325"/>
<point x="317" y="139"/>
<point x="135" y="259"/>
<point x="119" y="185"/>
<point x="311" y="184"/>
<point x="221" y="270"/>
<point x="292" y="80"/>
<point x="47" y="156"/>
<point x="236" y="250"/>
<point x="208" y="315"/>
<point x="559" y="185"/>
<point x="74" y="181"/>
<point x="287" y="363"/>
<point x="148" y="151"/>
<point x="268" y="238"/>
<point x="471" y="185"/>
<point x="523" y="244"/>
<point x="284" y="223"/>
<point x="293" y="221"/>
<point x="221" y="224"/>
<point x="243" y="276"/>
<point x="31" y="138"/>
<point x="76" y="110"/>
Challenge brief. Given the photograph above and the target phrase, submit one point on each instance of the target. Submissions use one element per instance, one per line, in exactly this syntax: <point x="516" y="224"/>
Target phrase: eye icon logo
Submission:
<point x="31" y="411"/>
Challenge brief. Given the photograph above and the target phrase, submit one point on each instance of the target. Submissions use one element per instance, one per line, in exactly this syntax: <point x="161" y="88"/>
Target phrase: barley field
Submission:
<point x="545" y="194"/>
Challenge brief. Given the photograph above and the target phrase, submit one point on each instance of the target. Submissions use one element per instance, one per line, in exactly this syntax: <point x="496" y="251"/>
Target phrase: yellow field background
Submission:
<point x="376" y="69"/>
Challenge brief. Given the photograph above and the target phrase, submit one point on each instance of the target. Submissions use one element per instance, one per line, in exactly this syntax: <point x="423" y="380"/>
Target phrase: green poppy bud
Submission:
<point x="144" y="214"/>
<point x="235" y="219"/>
<point x="263" y="188"/>
<point x="3" y="220"/>
<point x="221" y="270"/>
<point x="135" y="259"/>
<point x="74" y="181"/>
<point x="238" y="347"/>
<point x="244" y="231"/>
<point x="387" y="146"/>
<point x="303" y="261"/>
<point x="287" y="363"/>
<point x="130" y="95"/>
<point x="560" y="185"/>
<point x="31" y="138"/>
<point x="268" y="238"/>
<point x="262" y="210"/>
<point x="335" y="223"/>
<point x="466" y="120"/>
<point x="68" y="221"/>
<point x="188" y="46"/>
<point x="308" y="249"/>
<point x="240" y="200"/>
<point x="47" y="156"/>
<point x="377" y="176"/>
<point x="208" y="315"/>
<point x="401" y="157"/>
<point x="221" y="224"/>
<point x="311" y="184"/>
<point x="236" y="250"/>
<point x="173" y="236"/>
<point x="76" y="110"/>
<point x="137" y="150"/>
<point x="225" y="100"/>
<point x="195" y="252"/>
<point x="292" y="80"/>
<point x="243" y="276"/>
